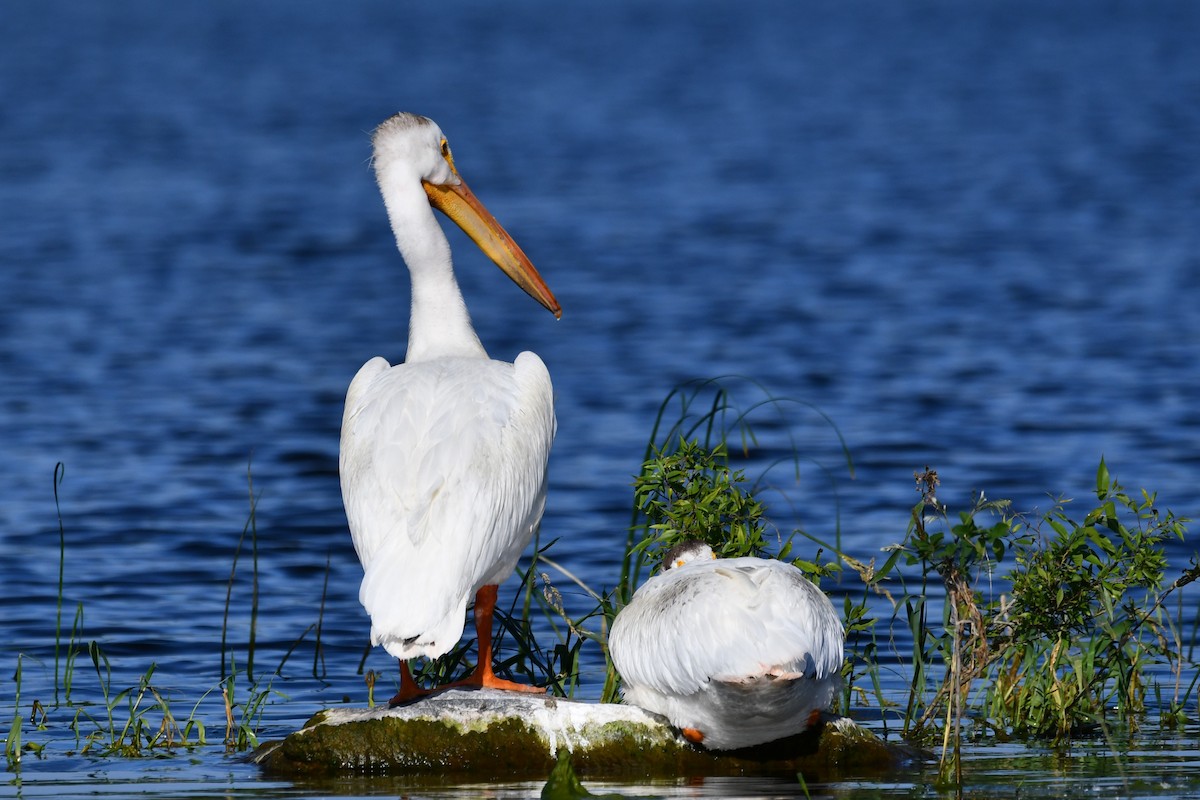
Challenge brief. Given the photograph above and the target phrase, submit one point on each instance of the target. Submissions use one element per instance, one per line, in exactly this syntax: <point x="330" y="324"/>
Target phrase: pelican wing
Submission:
<point x="443" y="469"/>
<point x="727" y="620"/>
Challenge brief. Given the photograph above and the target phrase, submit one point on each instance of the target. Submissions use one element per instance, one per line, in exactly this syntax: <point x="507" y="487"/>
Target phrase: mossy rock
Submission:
<point x="493" y="735"/>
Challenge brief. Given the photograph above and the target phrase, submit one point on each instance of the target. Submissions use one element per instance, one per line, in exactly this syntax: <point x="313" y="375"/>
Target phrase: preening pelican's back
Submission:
<point x="726" y="620"/>
<point x="734" y="652"/>
<point x="443" y="468"/>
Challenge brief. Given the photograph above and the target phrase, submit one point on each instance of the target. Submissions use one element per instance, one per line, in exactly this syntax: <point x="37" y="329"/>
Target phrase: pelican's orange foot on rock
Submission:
<point x="692" y="735"/>
<point x="409" y="690"/>
<point x="488" y="680"/>
<point x="483" y="677"/>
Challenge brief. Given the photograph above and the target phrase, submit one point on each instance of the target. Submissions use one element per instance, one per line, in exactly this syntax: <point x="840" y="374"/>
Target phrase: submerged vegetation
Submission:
<point x="1047" y="625"/>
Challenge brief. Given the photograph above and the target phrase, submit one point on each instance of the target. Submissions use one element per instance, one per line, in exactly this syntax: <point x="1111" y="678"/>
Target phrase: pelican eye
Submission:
<point x="446" y="153"/>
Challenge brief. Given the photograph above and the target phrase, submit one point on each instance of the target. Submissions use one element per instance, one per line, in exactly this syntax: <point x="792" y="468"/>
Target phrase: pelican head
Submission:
<point x="409" y="149"/>
<point x="685" y="553"/>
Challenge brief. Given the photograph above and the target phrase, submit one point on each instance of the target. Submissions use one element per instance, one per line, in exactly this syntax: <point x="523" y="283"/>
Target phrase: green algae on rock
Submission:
<point x="494" y="734"/>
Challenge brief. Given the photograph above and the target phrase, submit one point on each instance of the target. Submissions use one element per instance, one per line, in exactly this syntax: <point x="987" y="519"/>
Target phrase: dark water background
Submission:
<point x="968" y="234"/>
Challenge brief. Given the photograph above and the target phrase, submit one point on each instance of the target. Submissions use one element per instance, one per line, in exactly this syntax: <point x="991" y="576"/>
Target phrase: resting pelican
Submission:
<point x="734" y="652"/>
<point x="443" y="457"/>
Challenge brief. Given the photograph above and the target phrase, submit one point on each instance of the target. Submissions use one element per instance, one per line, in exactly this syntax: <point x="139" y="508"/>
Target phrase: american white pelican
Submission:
<point x="734" y="652"/>
<point x="443" y="457"/>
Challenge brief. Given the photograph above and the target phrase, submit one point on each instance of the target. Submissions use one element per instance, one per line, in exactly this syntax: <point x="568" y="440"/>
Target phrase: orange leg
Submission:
<point x="692" y="735"/>
<point x="483" y="677"/>
<point x="409" y="690"/>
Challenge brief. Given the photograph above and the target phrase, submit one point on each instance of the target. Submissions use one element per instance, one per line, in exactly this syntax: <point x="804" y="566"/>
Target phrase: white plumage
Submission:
<point x="443" y="457"/>
<point x="734" y="652"/>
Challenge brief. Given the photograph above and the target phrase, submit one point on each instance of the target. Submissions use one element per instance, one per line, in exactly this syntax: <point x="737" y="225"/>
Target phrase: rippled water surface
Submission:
<point x="968" y="234"/>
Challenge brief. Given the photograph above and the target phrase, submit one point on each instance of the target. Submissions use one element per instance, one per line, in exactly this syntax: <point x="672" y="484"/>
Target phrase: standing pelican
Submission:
<point x="734" y="652"/>
<point x="443" y="457"/>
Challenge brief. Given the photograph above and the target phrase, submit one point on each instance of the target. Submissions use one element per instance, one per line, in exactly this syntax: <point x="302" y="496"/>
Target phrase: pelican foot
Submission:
<point x="692" y="735"/>
<point x="490" y="681"/>
<point x="410" y="691"/>
<point x="408" y="694"/>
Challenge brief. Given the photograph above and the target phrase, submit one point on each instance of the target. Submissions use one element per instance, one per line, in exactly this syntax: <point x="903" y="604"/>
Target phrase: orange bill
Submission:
<point x="460" y="205"/>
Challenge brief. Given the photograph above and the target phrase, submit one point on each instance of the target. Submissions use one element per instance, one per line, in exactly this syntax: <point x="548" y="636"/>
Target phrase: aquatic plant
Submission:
<point x="686" y="482"/>
<point x="251" y="528"/>
<point x="1081" y="621"/>
<point x="59" y="473"/>
<point x="12" y="740"/>
<point x="243" y="717"/>
<point x="128" y="726"/>
<point x="692" y="493"/>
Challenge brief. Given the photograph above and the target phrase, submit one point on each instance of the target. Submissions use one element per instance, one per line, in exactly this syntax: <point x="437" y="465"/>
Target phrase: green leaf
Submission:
<point x="1103" y="481"/>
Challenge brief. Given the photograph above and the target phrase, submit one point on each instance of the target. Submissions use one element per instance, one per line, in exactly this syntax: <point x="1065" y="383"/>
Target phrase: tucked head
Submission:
<point x="687" y="552"/>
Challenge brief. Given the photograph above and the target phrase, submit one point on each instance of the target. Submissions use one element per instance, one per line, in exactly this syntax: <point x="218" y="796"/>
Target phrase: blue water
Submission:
<point x="967" y="234"/>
